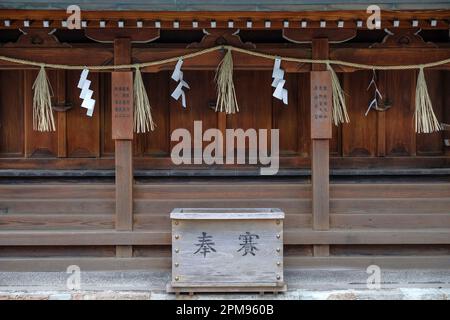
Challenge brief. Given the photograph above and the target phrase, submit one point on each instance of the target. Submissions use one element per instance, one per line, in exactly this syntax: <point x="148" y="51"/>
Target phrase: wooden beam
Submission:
<point x="55" y="264"/>
<point x="124" y="163"/>
<point x="291" y="236"/>
<point x="71" y="56"/>
<point x="389" y="56"/>
<point x="209" y="61"/>
<point x="240" y="18"/>
<point x="95" y="55"/>
<point x="385" y="262"/>
<point x="374" y="166"/>
<point x="320" y="161"/>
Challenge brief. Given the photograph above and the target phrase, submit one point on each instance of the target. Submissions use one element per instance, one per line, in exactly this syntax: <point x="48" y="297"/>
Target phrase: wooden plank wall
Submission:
<point x="386" y="137"/>
<point x="48" y="226"/>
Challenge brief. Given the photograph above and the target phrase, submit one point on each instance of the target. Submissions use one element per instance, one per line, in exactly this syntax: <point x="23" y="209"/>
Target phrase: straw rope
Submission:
<point x="225" y="47"/>
<point x="226" y="95"/>
<point x="425" y="118"/>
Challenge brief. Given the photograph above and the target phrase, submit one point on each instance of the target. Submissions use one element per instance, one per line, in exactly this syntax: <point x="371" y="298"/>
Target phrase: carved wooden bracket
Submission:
<point x="404" y="38"/>
<point x="32" y="38"/>
<point x="216" y="37"/>
<point x="307" y="35"/>
<point x="108" y="35"/>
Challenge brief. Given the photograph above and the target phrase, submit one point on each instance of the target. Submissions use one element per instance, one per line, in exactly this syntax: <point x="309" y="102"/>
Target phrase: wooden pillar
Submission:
<point x="124" y="162"/>
<point x="320" y="158"/>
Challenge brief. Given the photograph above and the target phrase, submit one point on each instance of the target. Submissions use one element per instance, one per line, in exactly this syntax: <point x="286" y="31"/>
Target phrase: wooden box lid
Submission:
<point x="226" y="213"/>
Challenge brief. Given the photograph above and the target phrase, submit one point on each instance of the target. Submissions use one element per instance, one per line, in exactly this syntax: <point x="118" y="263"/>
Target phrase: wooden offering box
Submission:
<point x="227" y="250"/>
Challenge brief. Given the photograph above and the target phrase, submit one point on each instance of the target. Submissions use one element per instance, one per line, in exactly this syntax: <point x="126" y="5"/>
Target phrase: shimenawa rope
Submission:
<point x="425" y="118"/>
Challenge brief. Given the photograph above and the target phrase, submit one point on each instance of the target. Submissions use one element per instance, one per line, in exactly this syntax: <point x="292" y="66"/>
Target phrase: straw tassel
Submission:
<point x="226" y="95"/>
<point x="425" y="119"/>
<point x="143" y="121"/>
<point x="42" y="103"/>
<point x="339" y="114"/>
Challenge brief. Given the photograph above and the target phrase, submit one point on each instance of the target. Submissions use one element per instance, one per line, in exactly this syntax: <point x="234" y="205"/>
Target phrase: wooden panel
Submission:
<point x="162" y="206"/>
<point x="198" y="100"/>
<point x="407" y="221"/>
<point x="162" y="221"/>
<point x="399" y="88"/>
<point x="11" y="114"/>
<point x="285" y="117"/>
<point x="83" y="132"/>
<point x="56" y="221"/>
<point x="432" y="143"/>
<point x="385" y="262"/>
<point x="157" y="143"/>
<point x="85" y="263"/>
<point x="107" y="143"/>
<point x="291" y="236"/>
<point x="359" y="136"/>
<point x="60" y="206"/>
<point x="38" y="144"/>
<point x="56" y="191"/>
<point x="36" y="252"/>
<point x="386" y="191"/>
<point x="446" y="110"/>
<point x="61" y="102"/>
<point x="391" y="250"/>
<point x="390" y="206"/>
<point x="254" y="96"/>
<point x="163" y="263"/>
<point x="304" y="115"/>
<point x="336" y="141"/>
<point x="224" y="190"/>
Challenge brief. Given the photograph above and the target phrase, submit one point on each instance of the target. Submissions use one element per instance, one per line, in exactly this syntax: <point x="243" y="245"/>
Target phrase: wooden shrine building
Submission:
<point x="373" y="192"/>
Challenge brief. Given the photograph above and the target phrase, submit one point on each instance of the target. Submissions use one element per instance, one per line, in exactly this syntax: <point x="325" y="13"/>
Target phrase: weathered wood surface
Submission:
<point x="58" y="264"/>
<point x="291" y="236"/>
<point x="321" y="133"/>
<point x="227" y="263"/>
<point x="122" y="134"/>
<point x="374" y="141"/>
<point x="240" y="17"/>
<point x="392" y="225"/>
<point x="81" y="206"/>
<point x="226" y="213"/>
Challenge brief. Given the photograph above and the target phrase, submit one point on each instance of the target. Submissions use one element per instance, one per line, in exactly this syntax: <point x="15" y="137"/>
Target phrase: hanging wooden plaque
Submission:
<point x="321" y="105"/>
<point x="122" y="105"/>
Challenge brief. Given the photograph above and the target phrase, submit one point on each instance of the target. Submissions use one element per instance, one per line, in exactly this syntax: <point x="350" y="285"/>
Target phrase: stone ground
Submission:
<point x="302" y="285"/>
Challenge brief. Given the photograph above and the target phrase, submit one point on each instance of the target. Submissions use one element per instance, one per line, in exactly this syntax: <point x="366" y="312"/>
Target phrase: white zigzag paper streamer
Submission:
<point x="177" y="75"/>
<point x="86" y="93"/>
<point x="278" y="82"/>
